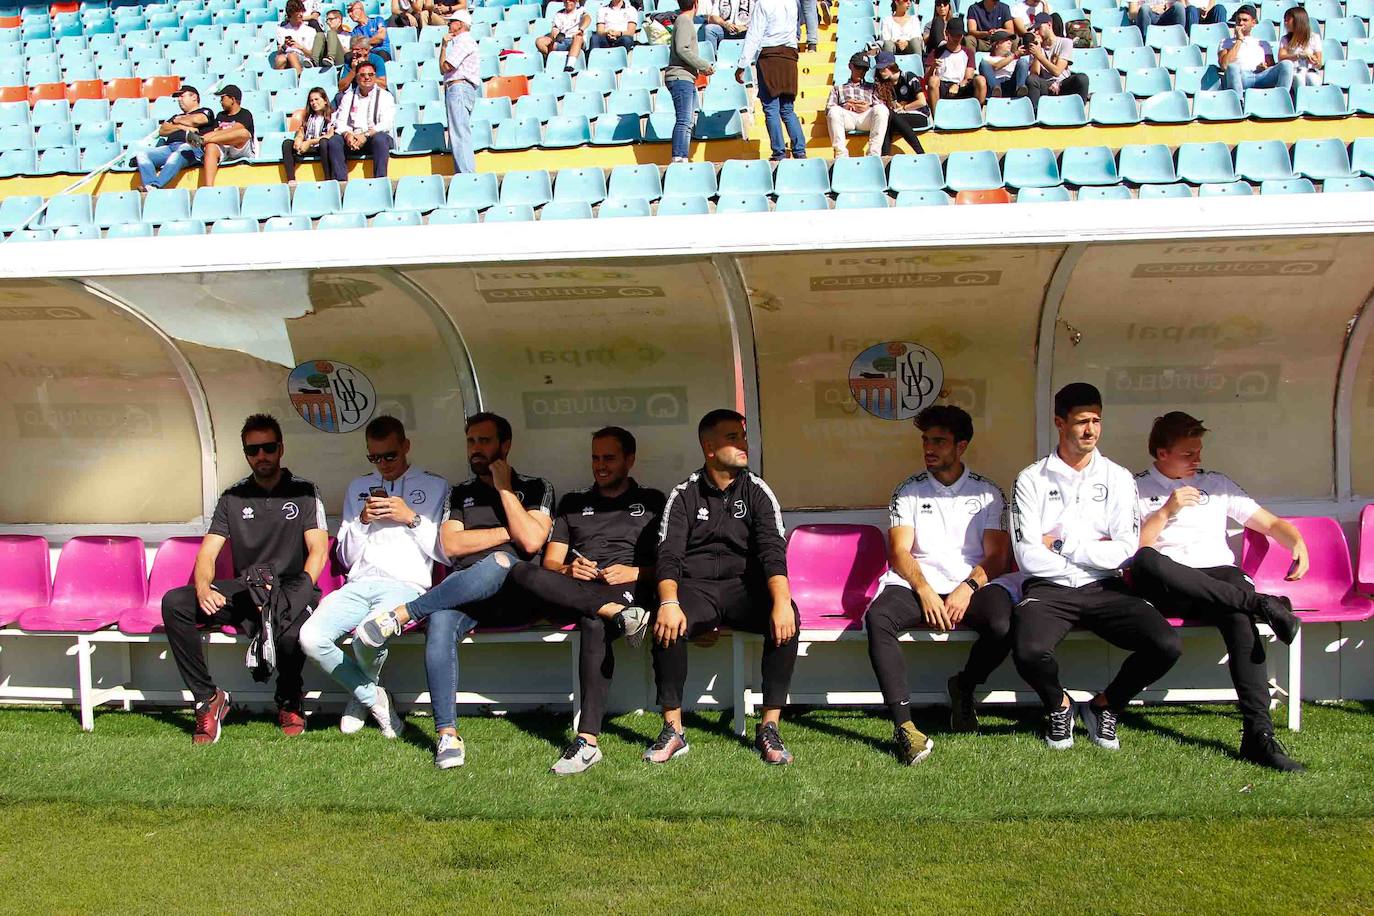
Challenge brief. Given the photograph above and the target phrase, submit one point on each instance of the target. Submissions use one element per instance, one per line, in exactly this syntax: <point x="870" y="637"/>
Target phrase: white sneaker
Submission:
<point x="385" y="715"/>
<point x="353" y="717"/>
<point x="450" y="752"/>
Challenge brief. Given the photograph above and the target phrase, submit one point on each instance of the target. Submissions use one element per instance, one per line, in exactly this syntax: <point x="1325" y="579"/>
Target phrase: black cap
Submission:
<point x="1042" y="18"/>
<point x="1074" y="395"/>
<point x="1247" y="9"/>
<point x="954" y="27"/>
<point x="859" y="61"/>
<point x="234" y="92"/>
<point x="999" y="35"/>
<point x="186" y="88"/>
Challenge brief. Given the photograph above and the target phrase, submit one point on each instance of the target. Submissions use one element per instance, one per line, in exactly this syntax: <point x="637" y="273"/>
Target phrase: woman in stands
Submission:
<point x="1304" y="49"/>
<point x="316" y="127"/>
<point x="905" y="95"/>
<point x="901" y="31"/>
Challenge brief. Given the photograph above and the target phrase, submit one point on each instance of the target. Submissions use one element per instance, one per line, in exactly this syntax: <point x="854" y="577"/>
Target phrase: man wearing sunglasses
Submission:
<point x="269" y="518"/>
<point x="389" y="540"/>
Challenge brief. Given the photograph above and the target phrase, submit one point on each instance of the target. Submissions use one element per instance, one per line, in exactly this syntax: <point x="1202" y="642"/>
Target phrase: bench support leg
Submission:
<point x="739" y="686"/>
<point x="576" y="643"/>
<point x="84" y="686"/>
<point x="1295" y="683"/>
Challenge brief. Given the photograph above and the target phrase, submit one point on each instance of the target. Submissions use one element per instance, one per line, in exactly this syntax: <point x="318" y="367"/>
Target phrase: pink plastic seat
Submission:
<point x="173" y="566"/>
<point x="97" y="578"/>
<point x="1327" y="593"/>
<point x="1364" y="565"/>
<point x="25" y="575"/>
<point x="834" y="572"/>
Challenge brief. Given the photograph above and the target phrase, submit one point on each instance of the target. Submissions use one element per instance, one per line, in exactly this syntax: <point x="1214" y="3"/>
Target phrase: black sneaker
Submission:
<point x="1059" y="728"/>
<point x="1100" y="724"/>
<point x="963" y="711"/>
<point x="769" y="744"/>
<point x="1277" y="611"/>
<point x="1263" y="749"/>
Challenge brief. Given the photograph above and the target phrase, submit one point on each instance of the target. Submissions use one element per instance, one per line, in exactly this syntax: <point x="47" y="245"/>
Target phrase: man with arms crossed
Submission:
<point x="1075" y="522"/>
<point x="388" y="539"/>
<point x="599" y="568"/>
<point x="722" y="559"/>
<point x="270" y="518"/>
<point x="946" y="544"/>
<point x="1186" y="569"/>
<point x="495" y="518"/>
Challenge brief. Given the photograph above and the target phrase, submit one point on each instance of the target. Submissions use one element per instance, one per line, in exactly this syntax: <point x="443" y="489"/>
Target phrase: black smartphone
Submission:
<point x="377" y="492"/>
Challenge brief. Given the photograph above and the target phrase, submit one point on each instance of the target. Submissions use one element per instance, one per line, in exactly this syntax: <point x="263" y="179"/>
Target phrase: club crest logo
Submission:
<point x="896" y="380"/>
<point x="636" y="510"/>
<point x="331" y="396"/>
<point x="417" y="497"/>
<point x="290" y="510"/>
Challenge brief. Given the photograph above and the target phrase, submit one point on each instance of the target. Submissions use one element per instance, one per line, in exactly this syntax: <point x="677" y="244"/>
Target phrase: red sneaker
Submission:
<point x="209" y="716"/>
<point x="291" y="721"/>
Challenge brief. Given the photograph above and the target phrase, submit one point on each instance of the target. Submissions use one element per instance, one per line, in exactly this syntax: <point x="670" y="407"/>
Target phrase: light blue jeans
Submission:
<point x="339" y="613"/>
<point x="459" y="98"/>
<point x="806" y="15"/>
<point x="684" y="93"/>
<point x="709" y="33"/>
<point x="1279" y="76"/>
<point x="159" y="165"/>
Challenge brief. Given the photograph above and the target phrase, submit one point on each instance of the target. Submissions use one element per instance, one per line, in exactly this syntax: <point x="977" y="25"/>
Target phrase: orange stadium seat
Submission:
<point x="512" y="87"/>
<point x="989" y="196"/>
<point x="65" y="6"/>
<point x="14" y="93"/>
<point x="155" y="87"/>
<point x="124" y="88"/>
<point x="85" y="89"/>
<point x="48" y="91"/>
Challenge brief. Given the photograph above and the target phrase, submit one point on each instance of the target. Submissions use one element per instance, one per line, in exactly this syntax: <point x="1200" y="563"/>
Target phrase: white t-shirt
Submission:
<point x="951" y="66"/>
<point x="1006" y="70"/>
<point x="1253" y="52"/>
<point x="616" y="20"/>
<point x="948" y="522"/>
<point x="304" y="36"/>
<point x="569" y="25"/>
<point x="1196" y="537"/>
<point x="1303" y="63"/>
<point x="1023" y="12"/>
<point x="908" y="29"/>
<point x="312" y="8"/>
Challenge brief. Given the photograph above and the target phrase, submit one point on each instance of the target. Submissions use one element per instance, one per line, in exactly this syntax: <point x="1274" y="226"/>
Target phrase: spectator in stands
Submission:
<point x="948" y="551"/>
<point x="440" y="11"/>
<point x="317" y="126"/>
<point x="496" y="518"/>
<point x="1075" y="521"/>
<point x="710" y="26"/>
<point x="359" y="51"/>
<point x="1006" y="67"/>
<point x="159" y="165"/>
<point x="934" y="36"/>
<point x="372" y="28"/>
<point x="1301" y="48"/>
<point x="722" y="561"/>
<point x="598" y="570"/>
<point x="734" y="17"/>
<point x="1023" y="14"/>
<point x="336" y="39"/>
<point x="685" y="64"/>
<point x="855" y="105"/>
<point x="1185" y="568"/>
<point x="616" y="25"/>
<point x="362" y="124"/>
<point x="1145" y="13"/>
<point x="388" y="539"/>
<point x="335" y="22"/>
<point x="986" y="18"/>
<point x="295" y="39"/>
<point x="1051" y="59"/>
<point x="1247" y="62"/>
<point x="328" y="49"/>
<point x="566" y="33"/>
<point x="232" y="139"/>
<point x="458" y="67"/>
<point x="900" y="32"/>
<point x="808" y="15"/>
<point x="270" y="518"/>
<point x="904" y="94"/>
<point x="1206" y="11"/>
<point x="950" y="72"/>
<point x="772" y="27"/>
<point x="412" y="14"/>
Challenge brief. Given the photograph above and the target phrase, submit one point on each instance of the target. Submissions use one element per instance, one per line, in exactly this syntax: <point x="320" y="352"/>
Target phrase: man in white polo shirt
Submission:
<point x="1186" y="569"/>
<point x="947" y="546"/>
<point x="567" y="33"/>
<point x="616" y="23"/>
<point x="1075" y="522"/>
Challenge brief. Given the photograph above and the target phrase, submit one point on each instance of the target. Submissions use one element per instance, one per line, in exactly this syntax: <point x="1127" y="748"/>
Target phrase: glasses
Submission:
<point x="268" y="447"/>
<point x="384" y="456"/>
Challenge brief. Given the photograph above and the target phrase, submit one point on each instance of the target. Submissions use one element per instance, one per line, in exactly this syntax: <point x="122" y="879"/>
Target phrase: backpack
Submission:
<point x="1081" y="31"/>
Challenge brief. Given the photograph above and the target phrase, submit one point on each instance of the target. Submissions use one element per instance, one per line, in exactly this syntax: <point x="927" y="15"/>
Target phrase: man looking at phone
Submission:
<point x="389" y="540"/>
<point x="1185" y="568"/>
<point x="270" y="518"/>
<point x="599" y="568"/>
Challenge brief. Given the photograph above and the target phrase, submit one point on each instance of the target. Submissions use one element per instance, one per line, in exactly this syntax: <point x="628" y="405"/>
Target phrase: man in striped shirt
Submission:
<point x="462" y="82"/>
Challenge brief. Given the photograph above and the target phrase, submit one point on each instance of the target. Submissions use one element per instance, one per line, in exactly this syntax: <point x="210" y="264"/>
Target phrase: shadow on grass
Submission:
<point x="1150" y="721"/>
<point x="551" y="729"/>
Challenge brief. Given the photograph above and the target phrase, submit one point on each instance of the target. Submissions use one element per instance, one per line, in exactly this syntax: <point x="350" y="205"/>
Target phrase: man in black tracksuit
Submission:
<point x="722" y="559"/>
<point x="598" y="568"/>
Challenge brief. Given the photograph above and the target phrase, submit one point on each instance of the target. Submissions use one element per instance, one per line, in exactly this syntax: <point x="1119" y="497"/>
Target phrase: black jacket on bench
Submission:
<point x="708" y="533"/>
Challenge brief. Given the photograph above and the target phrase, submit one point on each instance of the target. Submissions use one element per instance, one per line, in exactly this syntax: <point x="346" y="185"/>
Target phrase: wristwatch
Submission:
<point x="1058" y="545"/>
<point x="414" y="522"/>
<point x="972" y="583"/>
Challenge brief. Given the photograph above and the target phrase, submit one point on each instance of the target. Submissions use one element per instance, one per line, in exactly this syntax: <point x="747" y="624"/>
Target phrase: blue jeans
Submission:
<point x="1174" y="15"/>
<point x="684" y="93"/>
<point x="709" y="33"/>
<point x="998" y="86"/>
<point x="479" y="581"/>
<point x="339" y="613"/>
<point x="601" y="41"/>
<point x="1279" y="76"/>
<point x="777" y="111"/>
<point x="806" y="15"/>
<point x="159" y="165"/>
<point x="459" y="98"/>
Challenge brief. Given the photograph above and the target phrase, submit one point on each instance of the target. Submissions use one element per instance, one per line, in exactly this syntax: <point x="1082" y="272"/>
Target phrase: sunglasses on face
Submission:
<point x="384" y="456"/>
<point x="268" y="447"/>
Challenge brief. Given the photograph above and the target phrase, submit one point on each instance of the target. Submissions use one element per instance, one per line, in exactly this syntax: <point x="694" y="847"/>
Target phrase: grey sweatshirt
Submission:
<point x="684" y="63"/>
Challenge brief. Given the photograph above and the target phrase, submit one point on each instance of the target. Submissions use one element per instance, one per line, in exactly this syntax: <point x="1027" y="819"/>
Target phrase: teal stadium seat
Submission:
<point x="857" y="200"/>
<point x="265" y="201"/>
<point x="165" y="205"/>
<point x="1347" y="73"/>
<point x="862" y="174"/>
<point x="1218" y="105"/>
<point x="1321" y="102"/>
<point x="1053" y="194"/>
<point x="1113" y="108"/>
<point x="1205" y="163"/>
<point x="1146" y="163"/>
<point x="234" y="226"/>
<point x="1011" y="113"/>
<point x="420" y="193"/>
<point x="566" y="209"/>
<point x="958" y="114"/>
<point x="1338" y="185"/>
<point x="368" y="196"/>
<point x="68" y="210"/>
<point x="30" y="235"/>
<point x="1226" y="189"/>
<point x="919" y="172"/>
<point x="1166" y="108"/>
<point x="1035" y="167"/>
<point x="509" y="213"/>
<point x="473" y="191"/>
<point x="1263" y="160"/>
<point x="1362" y="99"/>
<point x="531" y="188"/>
<point x="616" y="130"/>
<point x="739" y="177"/>
<point x="698" y="179"/>
<point x="453" y="216"/>
<point x="802" y="176"/>
<point x="1320" y="160"/>
<point x="742" y="203"/>
<point x="974" y="171"/>
<point x="617" y="208"/>
<point x="927" y="198"/>
<point x="181" y="227"/>
<point x="1148" y="81"/>
<point x="1269" y="105"/>
<point x="342" y="221"/>
<point x="313" y="199"/>
<point x="1062" y="111"/>
<point x="211" y="204"/>
<point x="1158" y="191"/>
<point x="1192" y="80"/>
<point x="1085" y="166"/>
<point x="1105" y="192"/>
<point x="683" y="205"/>
<point x="585" y="185"/>
<point x="801" y="201"/>
<point x="1362" y="156"/>
<point x="287" y="224"/>
<point x="398" y="218"/>
<point x="1287" y="186"/>
<point x="635" y="181"/>
<point x="115" y="207"/>
<point x="1126" y="60"/>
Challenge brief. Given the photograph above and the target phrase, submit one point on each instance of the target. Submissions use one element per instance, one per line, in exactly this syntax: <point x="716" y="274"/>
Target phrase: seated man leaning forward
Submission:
<point x="947" y="546"/>
<point x="599" y="570"/>
<point x="1186" y="569"/>
<point x="722" y="559"/>
<point x="495" y="517"/>
<point x="388" y="539"/>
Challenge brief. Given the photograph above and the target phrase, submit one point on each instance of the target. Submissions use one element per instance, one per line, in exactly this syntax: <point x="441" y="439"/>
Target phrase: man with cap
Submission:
<point x="159" y="165"/>
<point x="458" y="66"/>
<point x="984" y="19"/>
<point x="950" y="72"/>
<point x="1006" y="67"/>
<point x="231" y="139"/>
<point x="1050" y="57"/>
<point x="362" y="124"/>
<point x="771" y="41"/>
<point x="855" y="106"/>
<point x="1247" y="62"/>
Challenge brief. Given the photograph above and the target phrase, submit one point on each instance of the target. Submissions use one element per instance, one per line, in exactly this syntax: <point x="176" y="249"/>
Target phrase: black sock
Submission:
<point x="901" y="713"/>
